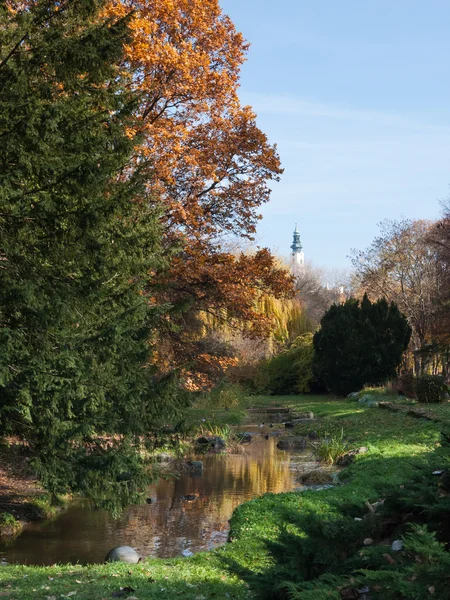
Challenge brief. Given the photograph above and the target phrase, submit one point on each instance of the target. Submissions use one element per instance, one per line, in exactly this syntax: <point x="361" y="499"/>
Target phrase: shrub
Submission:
<point x="359" y="343"/>
<point x="431" y="389"/>
<point x="290" y="372"/>
<point x="330" y="449"/>
<point x="405" y="385"/>
<point x="225" y="395"/>
<point x="9" y="525"/>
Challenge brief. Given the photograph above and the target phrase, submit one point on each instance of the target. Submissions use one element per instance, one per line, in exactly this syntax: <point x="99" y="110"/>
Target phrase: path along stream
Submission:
<point x="172" y="525"/>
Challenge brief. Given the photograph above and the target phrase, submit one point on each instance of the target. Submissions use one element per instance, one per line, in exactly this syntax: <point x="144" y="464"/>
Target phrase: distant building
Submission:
<point x="297" y="258"/>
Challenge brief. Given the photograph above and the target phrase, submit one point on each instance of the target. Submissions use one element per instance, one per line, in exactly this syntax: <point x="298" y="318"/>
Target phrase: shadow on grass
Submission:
<point x="293" y="538"/>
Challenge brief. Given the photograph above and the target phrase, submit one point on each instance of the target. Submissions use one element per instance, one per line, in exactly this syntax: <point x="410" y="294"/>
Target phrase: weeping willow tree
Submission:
<point x="286" y="319"/>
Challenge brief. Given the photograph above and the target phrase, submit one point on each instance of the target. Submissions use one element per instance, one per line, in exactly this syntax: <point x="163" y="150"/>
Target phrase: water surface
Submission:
<point x="172" y="525"/>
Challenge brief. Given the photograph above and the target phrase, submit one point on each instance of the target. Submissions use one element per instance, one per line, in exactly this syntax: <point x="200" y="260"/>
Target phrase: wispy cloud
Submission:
<point x="279" y="104"/>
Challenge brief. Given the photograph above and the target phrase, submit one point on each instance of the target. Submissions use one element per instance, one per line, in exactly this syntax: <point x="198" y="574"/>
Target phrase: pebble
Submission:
<point x="368" y="542"/>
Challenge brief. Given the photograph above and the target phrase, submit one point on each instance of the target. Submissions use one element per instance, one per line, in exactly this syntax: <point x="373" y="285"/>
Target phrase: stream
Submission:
<point x="172" y="524"/>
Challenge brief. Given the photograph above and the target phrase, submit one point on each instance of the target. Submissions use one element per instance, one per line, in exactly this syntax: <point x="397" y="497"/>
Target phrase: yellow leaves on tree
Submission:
<point x="207" y="159"/>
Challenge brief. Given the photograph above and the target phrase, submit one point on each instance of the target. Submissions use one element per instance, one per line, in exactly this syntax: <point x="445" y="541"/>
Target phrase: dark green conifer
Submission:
<point x="76" y="247"/>
<point x="359" y="343"/>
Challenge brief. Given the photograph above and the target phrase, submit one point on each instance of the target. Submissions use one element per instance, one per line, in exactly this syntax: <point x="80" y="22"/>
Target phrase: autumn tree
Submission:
<point x="439" y="240"/>
<point x="403" y="267"/>
<point x="318" y="289"/>
<point x="207" y="161"/>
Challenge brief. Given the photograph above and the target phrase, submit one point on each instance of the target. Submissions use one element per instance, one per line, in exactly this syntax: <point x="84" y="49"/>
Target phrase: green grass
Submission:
<point x="184" y="578"/>
<point x="400" y="447"/>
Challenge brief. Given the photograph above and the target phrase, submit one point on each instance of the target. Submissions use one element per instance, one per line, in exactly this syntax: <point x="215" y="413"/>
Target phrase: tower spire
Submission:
<point x="297" y="260"/>
<point x="296" y="243"/>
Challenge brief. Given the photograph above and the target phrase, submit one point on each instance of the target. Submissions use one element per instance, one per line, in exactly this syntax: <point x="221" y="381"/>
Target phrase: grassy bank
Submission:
<point x="309" y="531"/>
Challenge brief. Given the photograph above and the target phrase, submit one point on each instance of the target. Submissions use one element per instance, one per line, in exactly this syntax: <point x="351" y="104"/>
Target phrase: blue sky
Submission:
<point x="356" y="94"/>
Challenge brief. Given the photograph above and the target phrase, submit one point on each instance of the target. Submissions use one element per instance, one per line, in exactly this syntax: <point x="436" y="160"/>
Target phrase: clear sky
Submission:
<point x="356" y="94"/>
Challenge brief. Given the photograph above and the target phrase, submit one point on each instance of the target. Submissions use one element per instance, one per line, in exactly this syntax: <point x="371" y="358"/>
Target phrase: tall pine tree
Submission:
<point x="76" y="247"/>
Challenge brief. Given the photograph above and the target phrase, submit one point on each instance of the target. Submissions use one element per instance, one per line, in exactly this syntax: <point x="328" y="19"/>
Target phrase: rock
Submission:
<point x="368" y="542"/>
<point x="368" y="400"/>
<point x="150" y="500"/>
<point x="315" y="477"/>
<point x="299" y="418"/>
<point x="347" y="458"/>
<point x="312" y="435"/>
<point x="315" y="488"/>
<point x="397" y="545"/>
<point x="123" y="554"/>
<point x="189" y="497"/>
<point x="305" y="415"/>
<point x="164" y="457"/>
<point x="283" y="445"/>
<point x="203" y="441"/>
<point x="219" y="442"/>
<point x="353" y="396"/>
<point x="292" y="444"/>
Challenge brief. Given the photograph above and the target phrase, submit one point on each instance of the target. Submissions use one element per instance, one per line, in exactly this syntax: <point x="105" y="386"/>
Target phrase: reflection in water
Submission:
<point x="172" y="525"/>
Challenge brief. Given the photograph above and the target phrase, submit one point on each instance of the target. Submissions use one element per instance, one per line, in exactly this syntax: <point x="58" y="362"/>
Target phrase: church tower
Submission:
<point x="297" y="259"/>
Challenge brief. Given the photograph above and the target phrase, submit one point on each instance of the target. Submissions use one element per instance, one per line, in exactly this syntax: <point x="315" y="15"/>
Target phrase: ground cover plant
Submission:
<point x="288" y="546"/>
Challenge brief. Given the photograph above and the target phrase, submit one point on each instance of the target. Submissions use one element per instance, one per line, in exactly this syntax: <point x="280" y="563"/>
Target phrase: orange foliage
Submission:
<point x="207" y="159"/>
<point x="208" y="163"/>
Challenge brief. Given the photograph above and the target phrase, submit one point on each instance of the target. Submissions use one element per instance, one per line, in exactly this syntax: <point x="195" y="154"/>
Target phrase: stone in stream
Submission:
<point x="189" y="497"/>
<point x="123" y="554"/>
<point x="292" y="444"/>
<point x="300" y="418"/>
<point x="213" y="441"/>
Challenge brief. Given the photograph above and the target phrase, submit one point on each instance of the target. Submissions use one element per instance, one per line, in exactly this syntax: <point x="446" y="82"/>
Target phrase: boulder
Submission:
<point x="164" y="457"/>
<point x="368" y="400"/>
<point x="123" y="554"/>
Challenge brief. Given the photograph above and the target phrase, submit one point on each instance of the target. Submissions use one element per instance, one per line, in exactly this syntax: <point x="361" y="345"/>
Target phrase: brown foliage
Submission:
<point x="402" y="266"/>
<point x="207" y="161"/>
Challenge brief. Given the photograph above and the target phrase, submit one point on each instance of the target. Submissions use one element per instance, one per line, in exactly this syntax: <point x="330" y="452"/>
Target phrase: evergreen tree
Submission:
<point x="359" y="343"/>
<point x="76" y="248"/>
